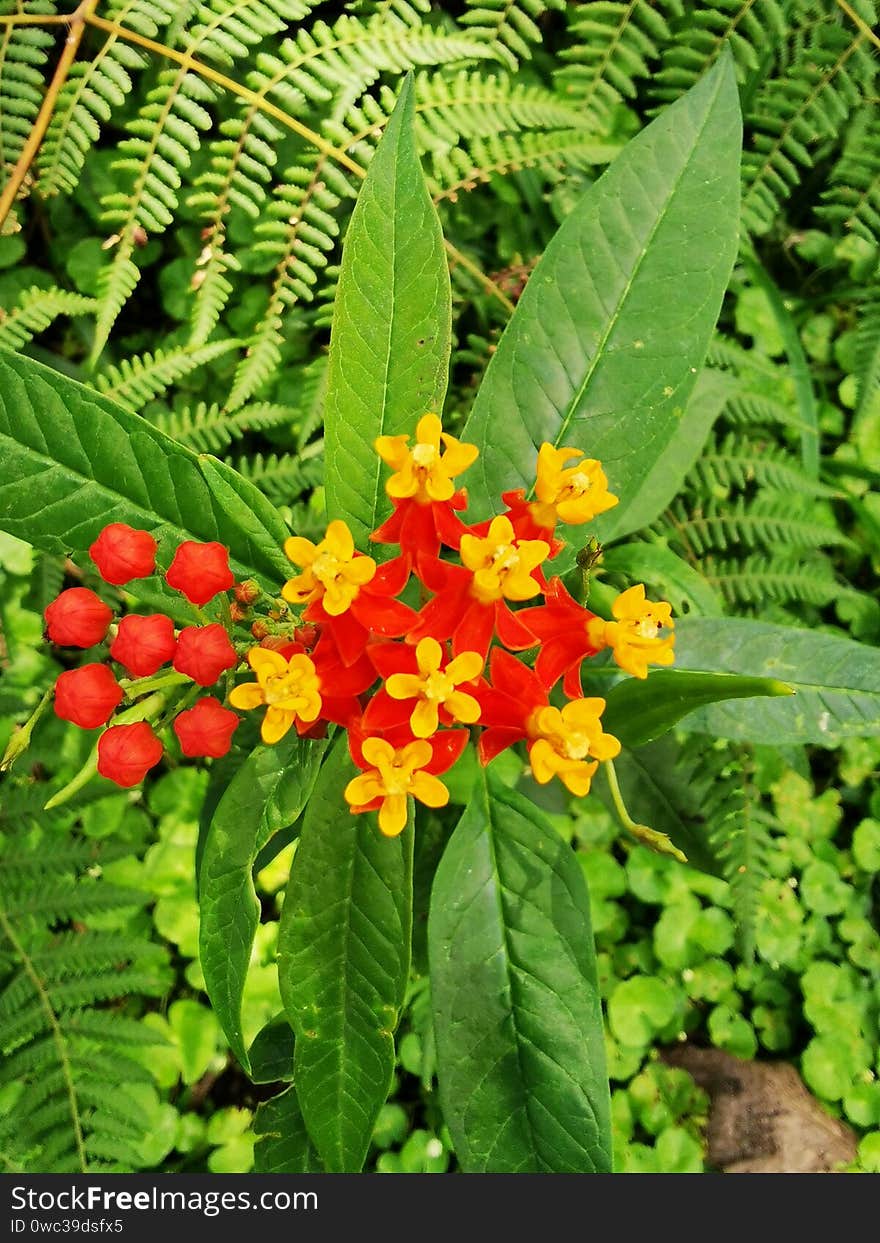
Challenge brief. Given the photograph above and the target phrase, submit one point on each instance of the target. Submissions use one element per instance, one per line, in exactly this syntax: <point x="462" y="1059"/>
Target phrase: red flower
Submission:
<point x="87" y="696"/>
<point x="346" y="593"/>
<point x="424" y="687"/>
<point x="199" y="571"/>
<point x="144" y="644"/>
<point x="206" y="728"/>
<point x="567" y="743"/>
<point x="77" y="618"/>
<point x="121" y="553"/>
<point x="457" y="613"/>
<point x="562" y="625"/>
<point x="203" y="653"/>
<point x="418" y="527"/>
<point x="126" y="753"/>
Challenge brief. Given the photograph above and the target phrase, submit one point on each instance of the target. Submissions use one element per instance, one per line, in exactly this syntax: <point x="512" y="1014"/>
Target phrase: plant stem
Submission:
<point x="651" y="838"/>
<point x="21" y="739"/>
<point x="29" y="151"/>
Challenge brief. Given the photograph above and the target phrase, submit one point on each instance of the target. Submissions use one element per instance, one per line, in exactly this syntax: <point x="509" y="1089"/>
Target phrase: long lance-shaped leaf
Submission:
<point x="391" y="338"/>
<point x="836" y="681"/>
<point x="72" y="461"/>
<point x="343" y="962"/>
<point x="611" y="331"/>
<point x="267" y="793"/>
<point x="639" y="711"/>
<point x="516" y="999"/>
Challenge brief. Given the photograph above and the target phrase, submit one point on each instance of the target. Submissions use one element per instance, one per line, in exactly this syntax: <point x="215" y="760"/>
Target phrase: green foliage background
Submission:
<point x="177" y="250"/>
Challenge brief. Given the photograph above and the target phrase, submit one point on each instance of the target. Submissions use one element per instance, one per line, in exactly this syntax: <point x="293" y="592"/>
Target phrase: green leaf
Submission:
<point x="608" y="338"/>
<point x="671" y="578"/>
<point x="72" y="461"/>
<point x="271" y="1052"/>
<point x="836" y="681"/>
<point x="640" y="710"/>
<point x="391" y="338"/>
<point x="267" y="793"/>
<point x="283" y="1145"/>
<point x="343" y="962"/>
<point x="517" y="1016"/>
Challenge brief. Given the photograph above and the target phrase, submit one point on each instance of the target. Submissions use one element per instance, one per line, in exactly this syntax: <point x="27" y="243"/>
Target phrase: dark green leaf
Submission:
<point x="836" y="681"/>
<point x="72" y="461"/>
<point x="271" y="1052"/>
<point x="267" y="793"/>
<point x="639" y="711"/>
<point x="516" y="1002"/>
<point x="610" y="334"/>
<point x="671" y="578"/>
<point x="283" y="1145"/>
<point x="343" y="962"/>
<point x="389" y="349"/>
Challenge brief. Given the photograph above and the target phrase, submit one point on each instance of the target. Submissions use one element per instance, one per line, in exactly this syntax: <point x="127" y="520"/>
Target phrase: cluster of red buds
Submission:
<point x="458" y="661"/>
<point x="90" y="695"/>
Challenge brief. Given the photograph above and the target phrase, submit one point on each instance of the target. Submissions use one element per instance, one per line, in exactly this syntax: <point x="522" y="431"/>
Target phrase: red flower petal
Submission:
<point x="446" y="748"/>
<point x="511" y="631"/>
<point x="493" y="741"/>
<point x="386" y="617"/>
<point x="474" y="632"/>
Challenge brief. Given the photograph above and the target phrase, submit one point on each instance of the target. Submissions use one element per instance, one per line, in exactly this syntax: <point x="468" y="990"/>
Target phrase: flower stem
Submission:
<point x="21" y="739"/>
<point x="652" y="838"/>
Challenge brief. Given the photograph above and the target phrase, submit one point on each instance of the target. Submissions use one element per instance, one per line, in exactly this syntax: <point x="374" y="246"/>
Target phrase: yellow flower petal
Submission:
<point x="392" y="814"/>
<point x="377" y="751"/>
<point x="338" y="541"/>
<point x="275" y="725"/>
<point x="301" y="552"/>
<point x="404" y="686"/>
<point x="465" y="667"/>
<point x="416" y="754"/>
<point x="462" y="707"/>
<point x="363" y="789"/>
<point x="429" y="790"/>
<point x="428" y="430"/>
<point x="298" y="590"/>
<point x="429" y="655"/>
<point x="266" y="663"/>
<point x="247" y="696"/>
<point x="425" y="719"/>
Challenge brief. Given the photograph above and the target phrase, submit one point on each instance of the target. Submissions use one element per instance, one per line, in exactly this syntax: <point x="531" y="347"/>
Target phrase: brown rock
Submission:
<point x="762" y="1118"/>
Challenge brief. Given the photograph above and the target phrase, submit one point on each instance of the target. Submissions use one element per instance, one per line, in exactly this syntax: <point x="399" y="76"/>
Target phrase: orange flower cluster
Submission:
<point x="431" y="663"/>
<point x="407" y="681"/>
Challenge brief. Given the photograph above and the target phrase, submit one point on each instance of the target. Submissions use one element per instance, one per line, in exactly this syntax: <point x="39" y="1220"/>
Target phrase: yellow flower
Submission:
<point x="571" y="494"/>
<point x="634" y="635"/>
<point x="568" y="743"/>
<point x="289" y="688"/>
<point x="433" y="687"/>
<point x="424" y="472"/>
<point x="332" y="571"/>
<point x="502" y="565"/>
<point x="394" y="775"/>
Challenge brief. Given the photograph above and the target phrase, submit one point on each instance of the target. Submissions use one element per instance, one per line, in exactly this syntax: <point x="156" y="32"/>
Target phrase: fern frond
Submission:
<point x="94" y="88"/>
<point x="35" y="310"/>
<point x="868" y="353"/>
<point x="830" y="74"/>
<point x="738" y="462"/>
<point x="211" y="429"/>
<point x="310" y="397"/>
<point x="139" y="379"/>
<point x="69" y="1056"/>
<point x="766" y="523"/>
<point x="613" y="45"/>
<point x="283" y="477"/>
<point x="754" y="580"/>
<point x="489" y="155"/>
<point x="853" y="197"/>
<point x="24" y="51"/>
<point x="753" y="30"/>
<point x="508" y="26"/>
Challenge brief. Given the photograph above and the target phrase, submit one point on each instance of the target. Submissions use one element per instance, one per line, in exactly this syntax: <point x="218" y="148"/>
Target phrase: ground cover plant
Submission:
<point x="440" y="666"/>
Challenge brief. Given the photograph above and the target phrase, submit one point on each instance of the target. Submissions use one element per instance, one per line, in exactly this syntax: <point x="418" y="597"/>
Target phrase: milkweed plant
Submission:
<point x="450" y="630"/>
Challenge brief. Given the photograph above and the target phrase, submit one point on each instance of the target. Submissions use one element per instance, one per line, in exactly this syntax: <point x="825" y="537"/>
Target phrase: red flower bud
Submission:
<point x="121" y="553"/>
<point x="238" y="612"/>
<point x="77" y="618"/>
<point x="259" y="630"/>
<point x="248" y="591"/>
<point x="87" y="696"/>
<point x="144" y="644"/>
<point x="199" y="571"/>
<point x="126" y="753"/>
<point x="206" y="728"/>
<point x="203" y="653"/>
